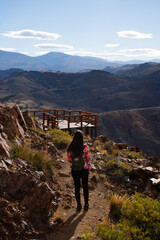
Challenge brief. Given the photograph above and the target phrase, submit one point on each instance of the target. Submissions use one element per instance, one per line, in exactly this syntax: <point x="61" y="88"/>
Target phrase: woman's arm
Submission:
<point x="69" y="157"/>
<point x="87" y="158"/>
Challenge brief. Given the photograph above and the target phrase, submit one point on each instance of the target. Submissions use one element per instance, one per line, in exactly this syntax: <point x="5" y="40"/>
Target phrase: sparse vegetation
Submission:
<point x="38" y="131"/>
<point x="116" y="169"/>
<point x="139" y="218"/>
<point x="134" y="154"/>
<point x="60" y="138"/>
<point x="37" y="159"/>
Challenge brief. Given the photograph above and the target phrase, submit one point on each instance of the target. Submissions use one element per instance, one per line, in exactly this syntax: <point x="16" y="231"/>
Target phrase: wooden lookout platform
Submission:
<point x="68" y="120"/>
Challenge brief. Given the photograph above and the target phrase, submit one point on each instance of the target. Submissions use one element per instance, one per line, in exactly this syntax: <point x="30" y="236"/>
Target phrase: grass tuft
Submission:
<point x="37" y="159"/>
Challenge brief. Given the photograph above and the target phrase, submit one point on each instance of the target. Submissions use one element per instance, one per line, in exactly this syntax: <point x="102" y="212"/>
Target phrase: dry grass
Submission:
<point x="116" y="203"/>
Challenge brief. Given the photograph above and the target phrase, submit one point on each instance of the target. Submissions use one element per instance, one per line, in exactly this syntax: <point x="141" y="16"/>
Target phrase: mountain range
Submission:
<point x="127" y="100"/>
<point x="54" y="61"/>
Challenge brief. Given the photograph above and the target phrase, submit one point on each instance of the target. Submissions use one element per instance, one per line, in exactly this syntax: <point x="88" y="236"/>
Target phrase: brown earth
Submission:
<point x="76" y="223"/>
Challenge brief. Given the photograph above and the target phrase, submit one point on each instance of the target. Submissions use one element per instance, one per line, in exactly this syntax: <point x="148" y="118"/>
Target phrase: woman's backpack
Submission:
<point x="77" y="162"/>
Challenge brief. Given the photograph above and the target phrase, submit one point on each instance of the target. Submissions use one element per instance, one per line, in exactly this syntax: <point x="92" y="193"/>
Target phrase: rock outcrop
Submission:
<point x="12" y="128"/>
<point x="26" y="200"/>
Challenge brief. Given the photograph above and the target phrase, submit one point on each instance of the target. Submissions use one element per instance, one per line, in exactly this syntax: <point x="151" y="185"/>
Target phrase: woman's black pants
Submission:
<point x="77" y="176"/>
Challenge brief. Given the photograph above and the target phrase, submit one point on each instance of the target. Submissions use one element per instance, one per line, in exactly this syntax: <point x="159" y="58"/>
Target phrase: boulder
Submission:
<point x="11" y="120"/>
<point x="31" y="123"/>
<point x="16" y="112"/>
<point x="143" y="172"/>
<point x="4" y="147"/>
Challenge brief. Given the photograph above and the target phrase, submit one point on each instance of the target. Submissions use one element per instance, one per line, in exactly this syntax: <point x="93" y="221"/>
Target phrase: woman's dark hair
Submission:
<point x="76" y="146"/>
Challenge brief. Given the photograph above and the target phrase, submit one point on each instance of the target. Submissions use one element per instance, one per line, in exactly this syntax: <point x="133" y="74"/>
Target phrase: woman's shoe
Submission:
<point x="86" y="206"/>
<point x="79" y="207"/>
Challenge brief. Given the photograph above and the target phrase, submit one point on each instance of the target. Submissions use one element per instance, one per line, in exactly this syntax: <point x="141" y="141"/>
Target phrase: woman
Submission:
<point x="78" y="155"/>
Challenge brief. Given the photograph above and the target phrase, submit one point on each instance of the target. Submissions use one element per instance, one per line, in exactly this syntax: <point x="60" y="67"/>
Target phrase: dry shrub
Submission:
<point x="116" y="203"/>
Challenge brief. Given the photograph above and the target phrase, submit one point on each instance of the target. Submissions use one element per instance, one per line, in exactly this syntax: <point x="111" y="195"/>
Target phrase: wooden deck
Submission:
<point x="67" y="120"/>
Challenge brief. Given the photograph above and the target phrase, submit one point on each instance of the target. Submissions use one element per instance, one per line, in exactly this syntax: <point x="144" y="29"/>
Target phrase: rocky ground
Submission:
<point x="35" y="206"/>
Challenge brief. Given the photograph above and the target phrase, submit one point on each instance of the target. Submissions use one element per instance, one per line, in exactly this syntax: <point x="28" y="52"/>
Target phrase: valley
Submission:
<point x="127" y="103"/>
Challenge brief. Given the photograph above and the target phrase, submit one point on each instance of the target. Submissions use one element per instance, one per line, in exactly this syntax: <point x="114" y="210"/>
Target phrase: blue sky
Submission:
<point x="110" y="29"/>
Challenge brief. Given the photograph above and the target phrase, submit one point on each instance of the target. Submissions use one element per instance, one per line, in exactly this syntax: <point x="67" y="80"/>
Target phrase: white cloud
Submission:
<point x="141" y="52"/>
<point x="122" y="55"/>
<point x="133" y="34"/>
<point x="52" y="46"/>
<point x="112" y="45"/>
<point x="28" y="33"/>
<point x="8" y="49"/>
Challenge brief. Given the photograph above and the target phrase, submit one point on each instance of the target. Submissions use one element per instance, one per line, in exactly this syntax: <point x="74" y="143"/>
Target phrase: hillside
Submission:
<point x="36" y="188"/>
<point x="134" y="70"/>
<point x="97" y="91"/>
<point x="138" y="127"/>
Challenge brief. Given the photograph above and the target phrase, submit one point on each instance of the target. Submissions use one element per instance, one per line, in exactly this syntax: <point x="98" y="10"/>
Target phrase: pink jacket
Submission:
<point x="86" y="157"/>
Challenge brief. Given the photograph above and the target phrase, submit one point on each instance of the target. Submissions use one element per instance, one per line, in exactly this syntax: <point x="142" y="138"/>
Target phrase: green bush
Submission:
<point x="139" y="220"/>
<point x="116" y="169"/>
<point x="60" y="138"/>
<point x="143" y="213"/>
<point x="37" y="159"/>
<point x="133" y="154"/>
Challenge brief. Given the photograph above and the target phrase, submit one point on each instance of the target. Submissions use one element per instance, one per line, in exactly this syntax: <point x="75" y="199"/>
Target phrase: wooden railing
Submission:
<point x="50" y="118"/>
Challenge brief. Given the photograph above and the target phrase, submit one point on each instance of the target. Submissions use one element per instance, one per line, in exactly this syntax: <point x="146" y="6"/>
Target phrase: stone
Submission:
<point x="155" y="181"/>
<point x="15" y="111"/>
<point x="52" y="149"/>
<point x="11" y="119"/>
<point x="94" y="178"/>
<point x="62" y="174"/>
<point x="121" y="146"/>
<point x="4" y="147"/>
<point x="1" y="128"/>
<point x="102" y="138"/>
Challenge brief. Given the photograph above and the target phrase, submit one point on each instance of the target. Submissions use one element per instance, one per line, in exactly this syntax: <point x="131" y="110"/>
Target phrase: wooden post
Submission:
<point x="86" y="131"/>
<point x="81" y="122"/>
<point x="43" y="121"/>
<point x="63" y="114"/>
<point x="68" y="123"/>
<point x="52" y="122"/>
<point x="91" y="132"/>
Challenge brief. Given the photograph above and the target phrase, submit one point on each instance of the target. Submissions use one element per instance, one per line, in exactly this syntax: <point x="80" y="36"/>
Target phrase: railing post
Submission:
<point x="91" y="132"/>
<point x="43" y="121"/>
<point x="81" y="122"/>
<point x="69" y="123"/>
<point x="52" y="122"/>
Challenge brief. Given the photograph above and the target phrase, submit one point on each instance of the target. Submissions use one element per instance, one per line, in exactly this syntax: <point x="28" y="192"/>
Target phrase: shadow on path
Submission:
<point x="68" y="228"/>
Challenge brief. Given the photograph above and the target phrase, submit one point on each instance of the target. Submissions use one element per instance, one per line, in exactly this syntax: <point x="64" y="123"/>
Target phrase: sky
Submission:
<point x="115" y="30"/>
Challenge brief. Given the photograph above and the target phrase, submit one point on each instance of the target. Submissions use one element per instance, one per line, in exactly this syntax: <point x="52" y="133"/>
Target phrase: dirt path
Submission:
<point x="76" y="223"/>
